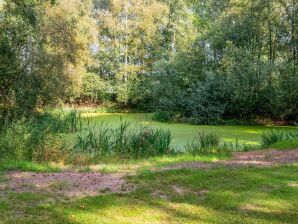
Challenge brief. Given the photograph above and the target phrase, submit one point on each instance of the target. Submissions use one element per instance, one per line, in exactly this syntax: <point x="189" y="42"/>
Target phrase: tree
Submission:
<point x="44" y="48"/>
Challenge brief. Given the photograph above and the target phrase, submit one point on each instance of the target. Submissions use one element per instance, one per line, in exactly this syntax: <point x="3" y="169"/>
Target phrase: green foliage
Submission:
<point x="43" y="51"/>
<point x="237" y="71"/>
<point x="207" y="144"/>
<point x="286" y="144"/>
<point x="11" y="165"/>
<point x="94" y="90"/>
<point x="148" y="142"/>
<point x="163" y="116"/>
<point x="37" y="138"/>
<point x="24" y="140"/>
<point x="60" y="121"/>
<point x="207" y="62"/>
<point x="272" y="137"/>
<point x="124" y="141"/>
<point x="95" y="141"/>
<point x="14" y="139"/>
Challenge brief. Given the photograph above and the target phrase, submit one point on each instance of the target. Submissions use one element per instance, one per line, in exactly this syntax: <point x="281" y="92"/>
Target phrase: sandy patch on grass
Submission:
<point x="262" y="158"/>
<point x="75" y="184"/>
<point x="68" y="184"/>
<point x="293" y="184"/>
<point x="180" y="190"/>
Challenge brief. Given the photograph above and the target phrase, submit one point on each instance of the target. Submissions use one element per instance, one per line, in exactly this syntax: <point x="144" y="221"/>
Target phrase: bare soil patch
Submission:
<point x="263" y="158"/>
<point x="68" y="183"/>
<point x="73" y="184"/>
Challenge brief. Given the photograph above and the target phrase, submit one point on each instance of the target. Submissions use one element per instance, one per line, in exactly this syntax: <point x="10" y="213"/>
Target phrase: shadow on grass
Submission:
<point x="246" y="195"/>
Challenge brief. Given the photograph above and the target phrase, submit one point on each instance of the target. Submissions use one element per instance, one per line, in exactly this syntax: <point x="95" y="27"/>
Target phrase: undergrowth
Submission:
<point x="279" y="138"/>
<point x="37" y="138"/>
<point x="206" y="144"/>
<point x="128" y="140"/>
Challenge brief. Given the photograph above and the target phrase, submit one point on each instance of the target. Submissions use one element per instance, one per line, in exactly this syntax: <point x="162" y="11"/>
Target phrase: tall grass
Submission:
<point x="204" y="144"/>
<point x="94" y="141"/>
<point x="60" y="122"/>
<point x="37" y="138"/>
<point x="274" y="136"/>
<point x="150" y="142"/>
<point x="128" y="140"/>
<point x="211" y="143"/>
<point x="25" y="140"/>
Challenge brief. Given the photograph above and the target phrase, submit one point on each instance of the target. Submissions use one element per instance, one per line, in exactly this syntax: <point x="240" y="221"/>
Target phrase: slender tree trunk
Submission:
<point x="126" y="39"/>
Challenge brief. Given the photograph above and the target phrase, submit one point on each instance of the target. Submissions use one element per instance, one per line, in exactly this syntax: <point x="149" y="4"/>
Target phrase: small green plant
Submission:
<point x="249" y="147"/>
<point x="96" y="141"/>
<point x="204" y="144"/>
<point x="72" y="121"/>
<point x="150" y="142"/>
<point x="121" y="137"/>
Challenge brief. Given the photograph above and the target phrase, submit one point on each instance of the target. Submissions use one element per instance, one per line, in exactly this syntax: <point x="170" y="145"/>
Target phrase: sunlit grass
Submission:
<point x="220" y="195"/>
<point x="11" y="165"/>
<point x="113" y="165"/>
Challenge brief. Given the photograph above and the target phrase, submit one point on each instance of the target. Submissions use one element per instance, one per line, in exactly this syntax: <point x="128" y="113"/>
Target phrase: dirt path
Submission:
<point x="263" y="158"/>
<point x="69" y="184"/>
<point x="74" y="184"/>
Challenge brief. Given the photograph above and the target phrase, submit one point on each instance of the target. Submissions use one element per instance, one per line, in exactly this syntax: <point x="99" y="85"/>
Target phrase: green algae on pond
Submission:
<point x="183" y="133"/>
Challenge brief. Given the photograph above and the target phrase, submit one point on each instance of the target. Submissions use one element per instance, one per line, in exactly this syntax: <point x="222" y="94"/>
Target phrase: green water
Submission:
<point x="183" y="133"/>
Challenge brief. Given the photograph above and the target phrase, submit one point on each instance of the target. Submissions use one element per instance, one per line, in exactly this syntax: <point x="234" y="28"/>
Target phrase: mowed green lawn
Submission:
<point x="183" y="133"/>
<point x="219" y="195"/>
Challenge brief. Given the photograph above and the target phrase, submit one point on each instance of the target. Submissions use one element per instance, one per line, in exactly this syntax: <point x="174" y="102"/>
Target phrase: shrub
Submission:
<point x="13" y="140"/>
<point x="210" y="143"/>
<point x="37" y="138"/>
<point x="26" y="140"/>
<point x="163" y="116"/>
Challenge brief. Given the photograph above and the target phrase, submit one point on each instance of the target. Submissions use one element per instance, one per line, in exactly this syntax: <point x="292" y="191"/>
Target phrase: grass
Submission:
<point x="11" y="165"/>
<point x="113" y="165"/>
<point x="220" y="195"/>
<point x="215" y="195"/>
<point x="127" y="140"/>
<point x="280" y="139"/>
<point x="290" y="144"/>
<point x="183" y="133"/>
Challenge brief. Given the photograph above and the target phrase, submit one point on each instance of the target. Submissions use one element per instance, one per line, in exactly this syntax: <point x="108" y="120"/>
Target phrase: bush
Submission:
<point x="14" y="140"/>
<point x="25" y="140"/>
<point x="97" y="141"/>
<point x="37" y="138"/>
<point x="163" y="116"/>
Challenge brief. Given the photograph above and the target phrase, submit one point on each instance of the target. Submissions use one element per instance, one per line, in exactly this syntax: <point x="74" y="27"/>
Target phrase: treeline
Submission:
<point x="195" y="61"/>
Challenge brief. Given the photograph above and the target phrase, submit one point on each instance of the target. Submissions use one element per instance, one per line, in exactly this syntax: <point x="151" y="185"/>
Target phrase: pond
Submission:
<point x="183" y="133"/>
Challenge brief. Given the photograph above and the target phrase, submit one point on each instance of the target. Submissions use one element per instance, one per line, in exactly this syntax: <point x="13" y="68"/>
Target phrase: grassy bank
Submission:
<point x="220" y="195"/>
<point x="182" y="133"/>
